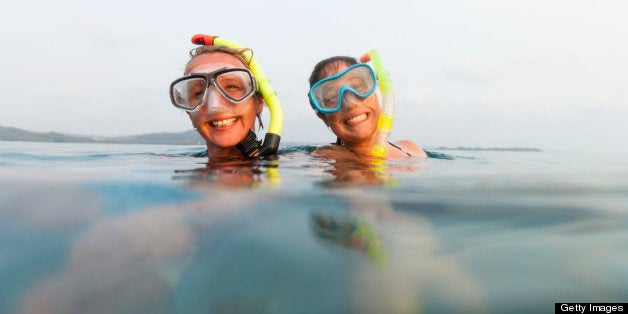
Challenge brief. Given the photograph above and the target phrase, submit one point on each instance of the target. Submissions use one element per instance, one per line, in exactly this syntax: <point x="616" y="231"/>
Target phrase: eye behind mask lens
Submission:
<point x="189" y="93"/>
<point x="236" y="85"/>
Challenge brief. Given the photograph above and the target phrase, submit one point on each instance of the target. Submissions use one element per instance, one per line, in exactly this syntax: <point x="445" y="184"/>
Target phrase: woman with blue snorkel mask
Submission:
<point x="342" y="92"/>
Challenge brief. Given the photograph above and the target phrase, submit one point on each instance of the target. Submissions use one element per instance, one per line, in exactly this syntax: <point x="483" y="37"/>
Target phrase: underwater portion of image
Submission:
<point x="111" y="228"/>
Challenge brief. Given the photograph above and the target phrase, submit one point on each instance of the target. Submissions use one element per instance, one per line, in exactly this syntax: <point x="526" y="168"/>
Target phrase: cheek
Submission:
<point x="334" y="121"/>
<point x="194" y="117"/>
<point x="373" y="101"/>
<point x="248" y="113"/>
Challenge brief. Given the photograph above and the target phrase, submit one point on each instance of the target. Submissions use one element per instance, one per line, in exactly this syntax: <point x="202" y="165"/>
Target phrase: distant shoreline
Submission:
<point x="181" y="138"/>
<point x="492" y="149"/>
<point x="178" y="138"/>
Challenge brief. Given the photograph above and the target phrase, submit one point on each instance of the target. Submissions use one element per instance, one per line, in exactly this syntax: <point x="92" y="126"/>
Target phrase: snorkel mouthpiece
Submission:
<point x="385" y="120"/>
<point x="251" y="147"/>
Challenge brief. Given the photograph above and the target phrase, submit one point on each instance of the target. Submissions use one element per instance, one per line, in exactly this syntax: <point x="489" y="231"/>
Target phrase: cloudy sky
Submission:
<point x="548" y="74"/>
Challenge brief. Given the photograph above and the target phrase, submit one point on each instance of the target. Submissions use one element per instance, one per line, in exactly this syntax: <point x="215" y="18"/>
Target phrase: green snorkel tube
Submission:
<point x="385" y="120"/>
<point x="251" y="147"/>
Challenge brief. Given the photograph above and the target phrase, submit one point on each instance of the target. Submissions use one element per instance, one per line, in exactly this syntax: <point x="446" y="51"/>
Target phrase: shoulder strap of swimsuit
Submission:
<point x="399" y="148"/>
<point x="339" y="142"/>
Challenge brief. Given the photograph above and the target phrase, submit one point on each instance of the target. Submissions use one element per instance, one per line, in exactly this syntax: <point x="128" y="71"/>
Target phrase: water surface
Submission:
<point x="97" y="228"/>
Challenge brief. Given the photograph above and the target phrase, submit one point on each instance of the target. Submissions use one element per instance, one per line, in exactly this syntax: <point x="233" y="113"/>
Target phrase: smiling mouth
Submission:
<point x="356" y="119"/>
<point x="223" y="123"/>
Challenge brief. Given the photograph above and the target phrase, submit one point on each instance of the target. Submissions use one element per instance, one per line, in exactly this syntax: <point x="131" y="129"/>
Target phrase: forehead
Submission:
<point x="332" y="68"/>
<point x="213" y="60"/>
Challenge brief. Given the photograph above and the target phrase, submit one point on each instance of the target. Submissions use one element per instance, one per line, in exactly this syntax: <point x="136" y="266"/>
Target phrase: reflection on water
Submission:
<point x="232" y="173"/>
<point x="303" y="234"/>
<point x="350" y="172"/>
<point x="352" y="233"/>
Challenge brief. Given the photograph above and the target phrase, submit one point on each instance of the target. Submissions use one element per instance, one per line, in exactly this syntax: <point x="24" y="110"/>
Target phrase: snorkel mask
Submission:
<point x="326" y="95"/>
<point x="190" y="91"/>
<point x="235" y="84"/>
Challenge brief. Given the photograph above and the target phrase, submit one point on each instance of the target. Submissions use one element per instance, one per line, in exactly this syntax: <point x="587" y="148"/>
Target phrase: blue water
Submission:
<point x="89" y="228"/>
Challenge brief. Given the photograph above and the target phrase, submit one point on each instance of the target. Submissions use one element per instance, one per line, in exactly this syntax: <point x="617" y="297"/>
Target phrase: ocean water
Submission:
<point x="96" y="228"/>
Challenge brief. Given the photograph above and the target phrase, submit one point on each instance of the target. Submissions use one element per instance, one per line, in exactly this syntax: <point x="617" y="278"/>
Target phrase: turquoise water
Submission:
<point x="92" y="228"/>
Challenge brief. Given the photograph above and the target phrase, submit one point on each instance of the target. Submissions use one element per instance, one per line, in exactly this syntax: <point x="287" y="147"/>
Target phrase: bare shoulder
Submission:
<point x="412" y="148"/>
<point x="333" y="152"/>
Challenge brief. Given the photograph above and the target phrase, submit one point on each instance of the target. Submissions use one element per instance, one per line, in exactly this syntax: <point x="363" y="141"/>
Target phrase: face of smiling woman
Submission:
<point x="222" y="123"/>
<point x="356" y="121"/>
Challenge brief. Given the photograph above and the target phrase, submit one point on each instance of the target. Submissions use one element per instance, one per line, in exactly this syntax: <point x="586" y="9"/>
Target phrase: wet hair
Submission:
<point x="238" y="53"/>
<point x="327" y="66"/>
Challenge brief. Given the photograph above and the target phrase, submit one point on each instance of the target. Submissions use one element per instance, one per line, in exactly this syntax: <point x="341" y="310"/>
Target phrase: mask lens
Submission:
<point x="358" y="79"/>
<point x="188" y="93"/>
<point x="327" y="95"/>
<point x="235" y="85"/>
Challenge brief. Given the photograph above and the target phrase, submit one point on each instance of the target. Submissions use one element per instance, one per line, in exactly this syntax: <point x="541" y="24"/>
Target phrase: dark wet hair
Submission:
<point x="325" y="67"/>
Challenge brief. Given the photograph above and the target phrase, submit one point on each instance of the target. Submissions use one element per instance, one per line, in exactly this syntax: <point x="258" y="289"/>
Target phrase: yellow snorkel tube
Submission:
<point x="385" y="120"/>
<point x="252" y="147"/>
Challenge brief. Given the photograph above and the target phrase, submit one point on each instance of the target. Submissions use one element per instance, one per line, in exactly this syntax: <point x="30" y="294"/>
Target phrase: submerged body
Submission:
<point x="83" y="232"/>
<point x="398" y="149"/>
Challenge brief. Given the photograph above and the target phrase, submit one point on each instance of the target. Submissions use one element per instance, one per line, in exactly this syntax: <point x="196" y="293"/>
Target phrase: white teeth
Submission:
<point x="222" y="123"/>
<point x="357" y="119"/>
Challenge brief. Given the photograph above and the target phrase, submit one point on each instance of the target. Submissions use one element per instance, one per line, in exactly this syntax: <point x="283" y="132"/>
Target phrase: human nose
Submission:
<point x="214" y="100"/>
<point x="349" y="99"/>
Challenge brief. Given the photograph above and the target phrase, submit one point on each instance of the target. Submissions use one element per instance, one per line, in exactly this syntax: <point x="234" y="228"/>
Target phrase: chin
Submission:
<point x="223" y="142"/>
<point x="229" y="140"/>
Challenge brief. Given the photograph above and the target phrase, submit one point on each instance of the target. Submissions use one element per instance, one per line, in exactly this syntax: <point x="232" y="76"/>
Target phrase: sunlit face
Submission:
<point x="221" y="122"/>
<point x="356" y="121"/>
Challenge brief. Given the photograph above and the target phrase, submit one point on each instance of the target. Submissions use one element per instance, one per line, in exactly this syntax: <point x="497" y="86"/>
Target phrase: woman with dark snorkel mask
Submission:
<point x="342" y="92"/>
<point x="221" y="94"/>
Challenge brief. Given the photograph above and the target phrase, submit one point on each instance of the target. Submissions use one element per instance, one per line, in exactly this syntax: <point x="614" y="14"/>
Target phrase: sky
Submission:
<point x="546" y="74"/>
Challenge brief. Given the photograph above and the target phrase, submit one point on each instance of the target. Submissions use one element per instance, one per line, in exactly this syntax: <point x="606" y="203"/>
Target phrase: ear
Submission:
<point x="259" y="104"/>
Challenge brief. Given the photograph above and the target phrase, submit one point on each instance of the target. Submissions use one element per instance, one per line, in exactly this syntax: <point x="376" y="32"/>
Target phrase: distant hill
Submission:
<point x="182" y="138"/>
